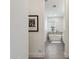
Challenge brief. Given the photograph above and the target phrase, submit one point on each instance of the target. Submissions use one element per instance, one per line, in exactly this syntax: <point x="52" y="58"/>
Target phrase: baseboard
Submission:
<point x="42" y="55"/>
<point x="36" y="54"/>
<point x="66" y="56"/>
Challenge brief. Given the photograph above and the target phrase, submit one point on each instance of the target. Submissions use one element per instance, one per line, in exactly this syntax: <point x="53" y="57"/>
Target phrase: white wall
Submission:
<point x="19" y="34"/>
<point x="36" y="39"/>
<point x="54" y="11"/>
<point x="66" y="29"/>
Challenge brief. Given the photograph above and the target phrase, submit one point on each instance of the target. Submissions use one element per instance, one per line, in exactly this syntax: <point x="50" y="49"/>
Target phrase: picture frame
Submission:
<point x="33" y="23"/>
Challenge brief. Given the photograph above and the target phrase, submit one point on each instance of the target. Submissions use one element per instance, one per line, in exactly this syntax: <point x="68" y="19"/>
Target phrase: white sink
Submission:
<point x="55" y="37"/>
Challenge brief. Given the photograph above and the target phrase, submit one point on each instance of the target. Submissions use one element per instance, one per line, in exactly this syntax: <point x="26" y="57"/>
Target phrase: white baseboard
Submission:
<point x="36" y="54"/>
<point x="41" y="55"/>
<point x="66" y="56"/>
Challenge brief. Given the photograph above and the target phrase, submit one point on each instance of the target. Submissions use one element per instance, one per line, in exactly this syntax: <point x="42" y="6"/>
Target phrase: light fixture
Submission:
<point x="45" y="0"/>
<point x="54" y="3"/>
<point x="54" y="6"/>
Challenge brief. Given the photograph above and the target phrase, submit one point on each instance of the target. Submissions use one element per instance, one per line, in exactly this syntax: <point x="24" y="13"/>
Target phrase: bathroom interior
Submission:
<point x="48" y="29"/>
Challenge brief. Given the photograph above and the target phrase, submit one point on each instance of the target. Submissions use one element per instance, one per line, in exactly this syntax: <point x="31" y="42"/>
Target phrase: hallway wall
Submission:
<point x="18" y="30"/>
<point x="36" y="39"/>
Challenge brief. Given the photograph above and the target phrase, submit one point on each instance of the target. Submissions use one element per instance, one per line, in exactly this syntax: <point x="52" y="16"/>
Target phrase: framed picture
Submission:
<point x="33" y="23"/>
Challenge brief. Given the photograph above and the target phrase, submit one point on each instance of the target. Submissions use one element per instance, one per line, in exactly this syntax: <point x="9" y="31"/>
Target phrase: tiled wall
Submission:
<point x="56" y="22"/>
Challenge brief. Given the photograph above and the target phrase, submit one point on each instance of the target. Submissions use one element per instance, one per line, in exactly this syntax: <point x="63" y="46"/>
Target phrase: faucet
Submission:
<point x="53" y="29"/>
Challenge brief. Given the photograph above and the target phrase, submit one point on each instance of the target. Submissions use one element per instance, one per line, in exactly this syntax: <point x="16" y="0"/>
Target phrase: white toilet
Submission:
<point x="54" y="46"/>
